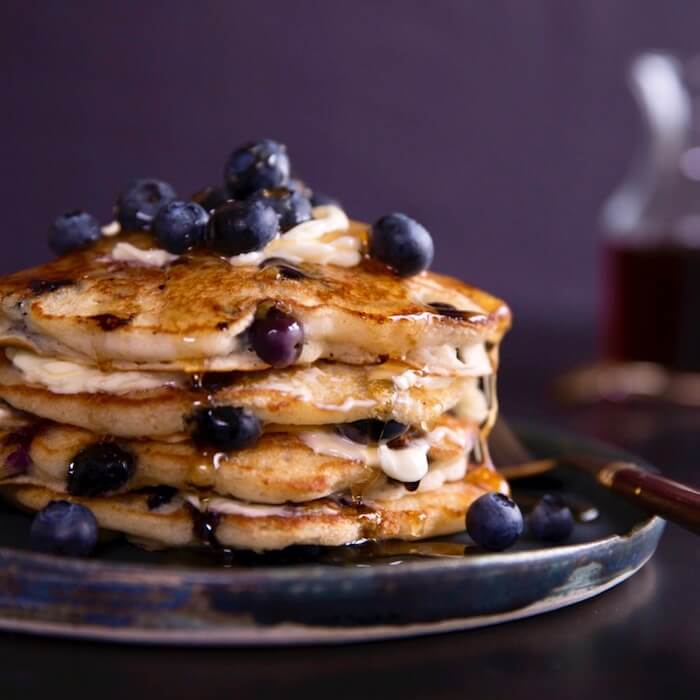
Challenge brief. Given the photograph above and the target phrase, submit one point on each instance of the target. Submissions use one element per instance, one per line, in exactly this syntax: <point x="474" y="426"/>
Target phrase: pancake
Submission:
<point x="279" y="376"/>
<point x="192" y="313"/>
<point x="281" y="467"/>
<point x="247" y="526"/>
<point x="326" y="393"/>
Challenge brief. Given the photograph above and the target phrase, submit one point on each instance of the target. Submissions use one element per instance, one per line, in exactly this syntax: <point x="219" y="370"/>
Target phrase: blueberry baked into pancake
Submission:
<point x="245" y="368"/>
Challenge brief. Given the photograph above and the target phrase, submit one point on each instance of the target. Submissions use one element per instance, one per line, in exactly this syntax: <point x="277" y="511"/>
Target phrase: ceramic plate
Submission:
<point x="308" y="595"/>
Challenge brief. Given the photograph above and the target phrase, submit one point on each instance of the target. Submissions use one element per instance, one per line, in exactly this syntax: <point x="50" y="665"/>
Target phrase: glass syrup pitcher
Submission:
<point x="651" y="304"/>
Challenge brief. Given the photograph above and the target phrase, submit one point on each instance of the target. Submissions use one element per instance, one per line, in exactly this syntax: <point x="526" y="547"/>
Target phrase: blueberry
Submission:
<point x="256" y="166"/>
<point x="551" y="519"/>
<point x="318" y="199"/>
<point x="180" y="226"/>
<point x="100" y="468"/>
<point x="293" y="208"/>
<point x="140" y="203"/>
<point x="64" y="528"/>
<point x="401" y="243"/>
<point x="225" y="428"/>
<point x="494" y="521"/>
<point x="372" y="431"/>
<point x="210" y="197"/>
<point x="159" y="496"/>
<point x="72" y="231"/>
<point x="277" y="338"/>
<point x="242" y="227"/>
<point x="297" y="185"/>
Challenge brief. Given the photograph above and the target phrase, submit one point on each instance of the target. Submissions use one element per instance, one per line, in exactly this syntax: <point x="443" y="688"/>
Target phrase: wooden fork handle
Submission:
<point x="669" y="499"/>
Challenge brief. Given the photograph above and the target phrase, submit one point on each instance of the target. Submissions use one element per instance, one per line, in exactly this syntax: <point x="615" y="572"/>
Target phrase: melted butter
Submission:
<point x="232" y="506"/>
<point x="407" y="464"/>
<point x="111" y="229"/>
<point x="473" y="405"/>
<point x="314" y="241"/>
<point x="469" y="360"/>
<point x="410" y="378"/>
<point x="442" y="433"/>
<point x="153" y="257"/>
<point x="63" y="377"/>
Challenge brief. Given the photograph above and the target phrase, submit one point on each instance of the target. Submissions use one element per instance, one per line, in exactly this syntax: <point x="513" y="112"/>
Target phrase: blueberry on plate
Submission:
<point x="225" y="428"/>
<point x="494" y="521"/>
<point x="293" y="208"/>
<point x="210" y="197"/>
<point x="64" y="528"/>
<point x="402" y="244"/>
<point x="72" y="231"/>
<point x="258" y="165"/>
<point x="242" y="227"/>
<point x="277" y="338"/>
<point x="100" y="468"/>
<point x="372" y="431"/>
<point x="140" y="203"/>
<point x="180" y="226"/>
<point x="551" y="519"/>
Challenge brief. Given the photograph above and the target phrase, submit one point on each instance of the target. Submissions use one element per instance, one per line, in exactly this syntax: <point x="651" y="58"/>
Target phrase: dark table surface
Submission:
<point x="639" y="640"/>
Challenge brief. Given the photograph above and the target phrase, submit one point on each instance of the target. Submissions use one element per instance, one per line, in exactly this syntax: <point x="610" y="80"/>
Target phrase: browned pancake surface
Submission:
<point x="190" y="313"/>
<point x="322" y="522"/>
<point x="322" y="394"/>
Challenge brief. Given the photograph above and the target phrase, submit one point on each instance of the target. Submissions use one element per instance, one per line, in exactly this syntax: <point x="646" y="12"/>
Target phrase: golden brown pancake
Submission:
<point x="279" y="468"/>
<point x="321" y="522"/>
<point x="193" y="313"/>
<point x="323" y="394"/>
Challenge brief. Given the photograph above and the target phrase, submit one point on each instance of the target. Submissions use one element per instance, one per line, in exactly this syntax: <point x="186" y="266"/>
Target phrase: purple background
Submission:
<point x="500" y="125"/>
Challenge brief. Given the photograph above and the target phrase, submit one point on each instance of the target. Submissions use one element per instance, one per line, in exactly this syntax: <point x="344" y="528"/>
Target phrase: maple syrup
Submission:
<point x="652" y="306"/>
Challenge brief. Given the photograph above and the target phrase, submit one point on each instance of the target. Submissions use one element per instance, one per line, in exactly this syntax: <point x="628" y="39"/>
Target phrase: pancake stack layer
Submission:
<point x="135" y="383"/>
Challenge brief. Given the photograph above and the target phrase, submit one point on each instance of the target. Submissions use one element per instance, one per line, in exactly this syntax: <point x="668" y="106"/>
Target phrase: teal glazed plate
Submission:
<point x="313" y="595"/>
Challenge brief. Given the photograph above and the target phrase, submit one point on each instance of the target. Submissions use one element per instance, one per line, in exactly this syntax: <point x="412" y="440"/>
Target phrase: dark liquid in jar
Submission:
<point x="652" y="306"/>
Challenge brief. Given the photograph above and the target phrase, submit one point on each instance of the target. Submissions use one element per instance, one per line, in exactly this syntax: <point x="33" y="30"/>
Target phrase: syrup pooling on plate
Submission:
<point x="250" y="368"/>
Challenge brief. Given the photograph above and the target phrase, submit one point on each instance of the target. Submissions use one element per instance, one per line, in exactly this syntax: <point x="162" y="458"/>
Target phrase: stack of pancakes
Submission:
<point x="95" y="350"/>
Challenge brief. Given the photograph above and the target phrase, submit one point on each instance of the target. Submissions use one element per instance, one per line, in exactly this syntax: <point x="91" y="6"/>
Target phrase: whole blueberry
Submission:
<point x="238" y="227"/>
<point x="225" y="428"/>
<point x="100" y="468"/>
<point x="64" y="528"/>
<point x="551" y="519"/>
<point x="494" y="521"/>
<point x="277" y="338"/>
<point x="210" y="197"/>
<point x="72" y="231"/>
<point x="401" y="243"/>
<point x="318" y="199"/>
<point x="140" y="203"/>
<point x="256" y="166"/>
<point x="242" y="227"/>
<point x="179" y="226"/>
<point x="372" y="431"/>
<point x="293" y="208"/>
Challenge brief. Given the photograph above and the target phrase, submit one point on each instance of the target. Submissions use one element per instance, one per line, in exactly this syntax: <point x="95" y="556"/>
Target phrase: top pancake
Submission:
<point x="191" y="314"/>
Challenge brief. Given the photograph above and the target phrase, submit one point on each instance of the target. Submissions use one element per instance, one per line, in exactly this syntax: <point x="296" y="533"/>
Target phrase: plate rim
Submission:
<point x="297" y="634"/>
<point x="132" y="570"/>
<point x="226" y="623"/>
